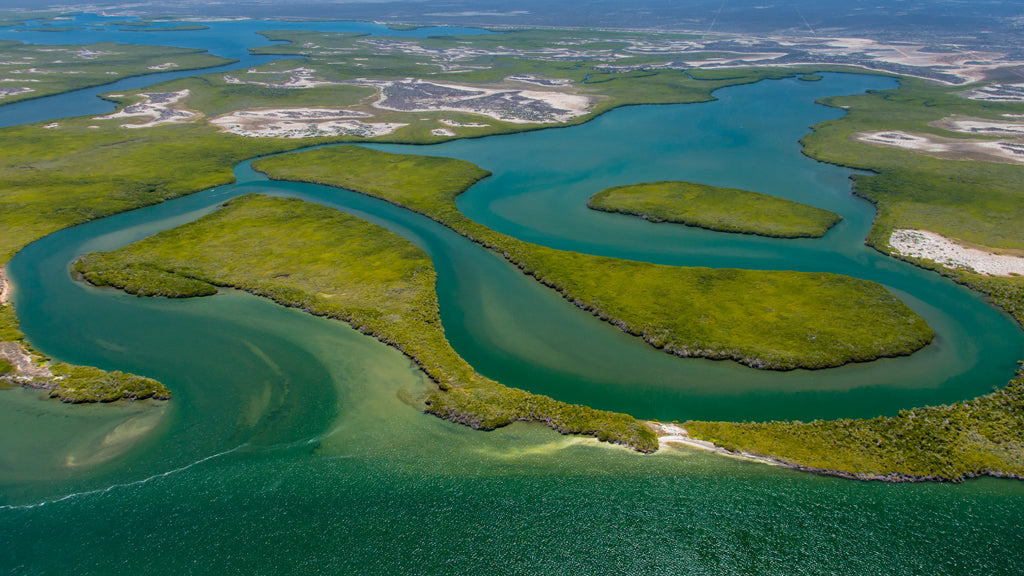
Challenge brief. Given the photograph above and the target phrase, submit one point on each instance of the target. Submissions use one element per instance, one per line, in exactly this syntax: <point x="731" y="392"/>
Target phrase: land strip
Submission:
<point x="714" y="208"/>
<point x="376" y="281"/>
<point x="31" y="71"/>
<point x="764" y="319"/>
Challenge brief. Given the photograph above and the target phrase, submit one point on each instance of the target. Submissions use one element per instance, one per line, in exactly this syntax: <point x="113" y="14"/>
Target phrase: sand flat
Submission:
<point x="932" y="246"/>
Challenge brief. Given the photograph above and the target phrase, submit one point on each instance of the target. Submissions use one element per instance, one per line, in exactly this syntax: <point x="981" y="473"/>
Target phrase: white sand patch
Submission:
<point x="299" y="78"/>
<point x="44" y="71"/>
<point x="998" y="93"/>
<point x="5" y="288"/>
<point x="442" y="132"/>
<point x="159" y="107"/>
<point x="516" y="106"/>
<point x="20" y="80"/>
<point x="52" y="125"/>
<point x="86" y="54"/>
<point x="301" y="123"/>
<point x="900" y="139"/>
<point x="164" y="66"/>
<point x="528" y="79"/>
<point x="13" y="91"/>
<point x="455" y="124"/>
<point x="931" y="246"/>
<point x="994" y="151"/>
<point x="672" y="434"/>
<point x="983" y="127"/>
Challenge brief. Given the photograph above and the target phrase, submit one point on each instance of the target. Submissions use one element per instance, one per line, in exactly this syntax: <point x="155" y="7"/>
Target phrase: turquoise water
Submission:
<point x="295" y="444"/>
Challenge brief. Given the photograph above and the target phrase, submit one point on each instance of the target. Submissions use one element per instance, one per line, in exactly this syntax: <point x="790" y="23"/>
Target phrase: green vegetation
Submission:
<point x="331" y="264"/>
<point x="72" y="384"/>
<point x="714" y="208"/>
<point x="973" y="201"/>
<point x="775" y="320"/>
<point x="811" y="77"/>
<point x="143" y="280"/>
<point x="50" y="70"/>
<point x="962" y="440"/>
<point x="84" y="384"/>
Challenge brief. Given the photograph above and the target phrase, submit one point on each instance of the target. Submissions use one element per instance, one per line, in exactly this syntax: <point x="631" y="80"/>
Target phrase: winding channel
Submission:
<point x="293" y="444"/>
<point x="524" y="335"/>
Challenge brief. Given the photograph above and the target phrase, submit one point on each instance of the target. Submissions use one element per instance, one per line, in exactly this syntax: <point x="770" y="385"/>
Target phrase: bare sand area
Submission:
<point x="302" y="123"/>
<point x="968" y="66"/>
<point x="947" y="148"/>
<point x="931" y="246"/>
<point x="529" y="79"/>
<point x="516" y="106"/>
<point x="164" y="66"/>
<point x="998" y="93"/>
<point x="6" y="91"/>
<point x="979" y="126"/>
<point x="159" y="107"/>
<point x="442" y="132"/>
<point x="298" y="78"/>
<point x="455" y="124"/>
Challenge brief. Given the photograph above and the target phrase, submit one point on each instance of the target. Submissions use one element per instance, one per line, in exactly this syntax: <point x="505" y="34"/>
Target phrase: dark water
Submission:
<point x="294" y="444"/>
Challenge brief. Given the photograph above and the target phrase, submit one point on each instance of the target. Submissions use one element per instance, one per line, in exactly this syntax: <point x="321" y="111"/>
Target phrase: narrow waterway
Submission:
<point x="295" y="444"/>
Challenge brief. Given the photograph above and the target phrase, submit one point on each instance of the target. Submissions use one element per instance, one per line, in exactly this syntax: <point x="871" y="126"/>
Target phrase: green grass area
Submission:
<point x="331" y="264"/>
<point x="974" y="201"/>
<point x="85" y="384"/>
<point x="969" y="200"/>
<point x="980" y="436"/>
<point x="714" y="208"/>
<point x="54" y="69"/>
<point x="55" y="178"/>
<point x="775" y="320"/>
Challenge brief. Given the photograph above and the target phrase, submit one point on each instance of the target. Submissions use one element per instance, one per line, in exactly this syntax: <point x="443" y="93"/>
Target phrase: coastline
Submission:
<point x="676" y="435"/>
<point x="6" y="289"/>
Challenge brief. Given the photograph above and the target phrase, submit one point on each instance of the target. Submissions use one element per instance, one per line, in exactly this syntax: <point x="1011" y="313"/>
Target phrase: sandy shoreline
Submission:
<point x="932" y="246"/>
<point x="5" y="288"/>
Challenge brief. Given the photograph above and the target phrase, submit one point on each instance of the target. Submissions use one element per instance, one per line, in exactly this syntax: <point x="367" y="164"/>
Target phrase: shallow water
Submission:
<point x="295" y="445"/>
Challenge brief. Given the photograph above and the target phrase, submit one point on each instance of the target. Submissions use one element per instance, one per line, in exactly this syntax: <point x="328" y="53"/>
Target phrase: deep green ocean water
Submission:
<point x="295" y="445"/>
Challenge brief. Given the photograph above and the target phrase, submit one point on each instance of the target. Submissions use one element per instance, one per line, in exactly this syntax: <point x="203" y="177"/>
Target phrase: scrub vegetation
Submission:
<point x="331" y="264"/>
<point x="714" y="208"/>
<point x="954" y="442"/>
<point x="764" y="319"/>
<point x="21" y="365"/>
<point x="47" y="70"/>
<point x="977" y="202"/>
<point x="52" y="180"/>
<point x="980" y="202"/>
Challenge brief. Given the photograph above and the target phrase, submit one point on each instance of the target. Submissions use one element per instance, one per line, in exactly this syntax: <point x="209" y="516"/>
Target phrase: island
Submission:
<point x="715" y="208"/>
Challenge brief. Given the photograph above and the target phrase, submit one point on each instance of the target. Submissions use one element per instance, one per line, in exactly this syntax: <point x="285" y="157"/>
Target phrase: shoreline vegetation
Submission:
<point x="715" y="208"/>
<point x="973" y="202"/>
<point x="764" y="319"/>
<point x="21" y="365"/>
<point x="260" y="244"/>
<point x="977" y="437"/>
<point x="916" y="445"/>
<point x="94" y="65"/>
